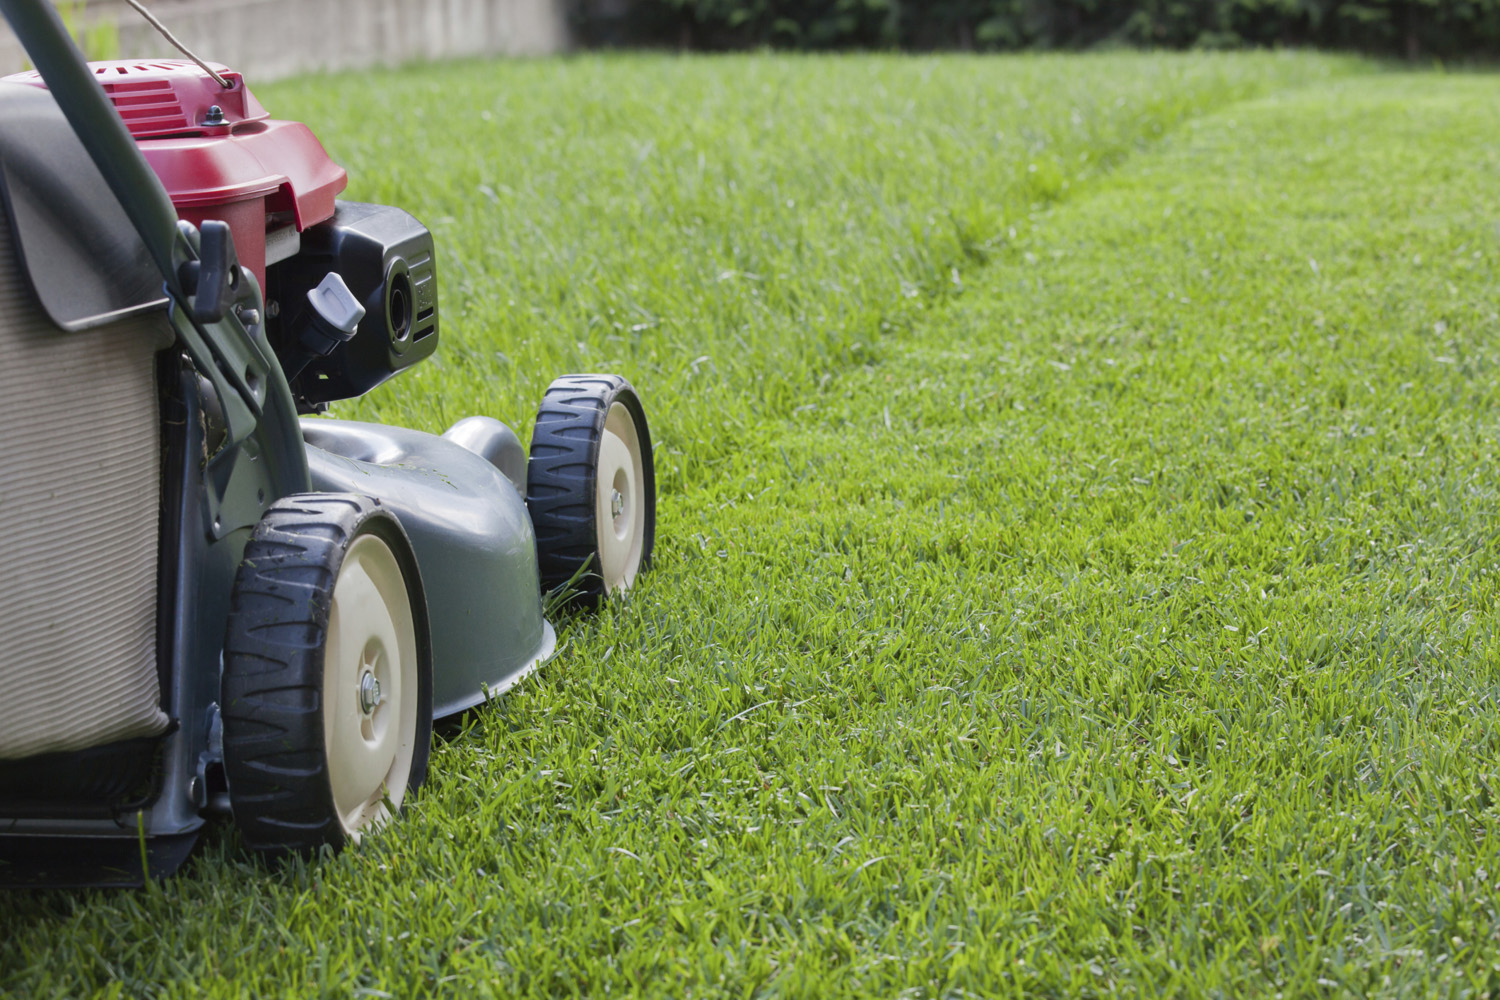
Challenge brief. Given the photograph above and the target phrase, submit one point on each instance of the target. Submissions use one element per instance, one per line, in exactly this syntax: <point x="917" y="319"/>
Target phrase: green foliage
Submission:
<point x="1408" y="27"/>
<point x="101" y="40"/>
<point x="98" y="38"/>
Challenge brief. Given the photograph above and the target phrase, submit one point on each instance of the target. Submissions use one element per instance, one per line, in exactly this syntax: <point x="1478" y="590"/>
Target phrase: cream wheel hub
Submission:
<point x="620" y="507"/>
<point x="369" y="686"/>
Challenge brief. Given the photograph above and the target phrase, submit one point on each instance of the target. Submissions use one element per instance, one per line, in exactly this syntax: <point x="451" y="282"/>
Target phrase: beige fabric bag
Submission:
<point x="80" y="485"/>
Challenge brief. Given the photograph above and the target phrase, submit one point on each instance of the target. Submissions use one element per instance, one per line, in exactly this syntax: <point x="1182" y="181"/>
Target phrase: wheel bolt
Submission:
<point x="369" y="692"/>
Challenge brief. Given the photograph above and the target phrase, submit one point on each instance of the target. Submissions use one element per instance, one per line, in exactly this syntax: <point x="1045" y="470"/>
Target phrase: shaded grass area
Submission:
<point x="1102" y="601"/>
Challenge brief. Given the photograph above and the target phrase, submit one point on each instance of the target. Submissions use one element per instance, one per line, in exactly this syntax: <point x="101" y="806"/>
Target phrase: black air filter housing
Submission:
<point x="385" y="257"/>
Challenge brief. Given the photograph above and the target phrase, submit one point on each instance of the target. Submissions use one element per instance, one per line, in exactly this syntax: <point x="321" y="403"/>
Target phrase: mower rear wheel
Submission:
<point x="591" y="485"/>
<point x="327" y="684"/>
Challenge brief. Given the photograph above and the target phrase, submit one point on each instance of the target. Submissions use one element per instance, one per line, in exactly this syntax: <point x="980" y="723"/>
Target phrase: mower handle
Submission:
<point x="244" y="372"/>
<point x="102" y="132"/>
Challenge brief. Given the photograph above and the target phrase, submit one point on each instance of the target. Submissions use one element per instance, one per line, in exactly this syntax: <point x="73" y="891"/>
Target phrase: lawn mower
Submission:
<point x="219" y="600"/>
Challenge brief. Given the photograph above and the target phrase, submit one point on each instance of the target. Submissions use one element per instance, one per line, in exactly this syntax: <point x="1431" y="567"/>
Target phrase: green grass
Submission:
<point x="1077" y="552"/>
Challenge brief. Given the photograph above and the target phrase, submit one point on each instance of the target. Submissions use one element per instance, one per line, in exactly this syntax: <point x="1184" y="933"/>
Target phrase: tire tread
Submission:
<point x="560" y="477"/>
<point x="272" y="687"/>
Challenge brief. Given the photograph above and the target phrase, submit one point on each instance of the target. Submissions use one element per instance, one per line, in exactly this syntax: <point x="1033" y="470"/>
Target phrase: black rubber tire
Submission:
<point x="561" y="475"/>
<point x="271" y="693"/>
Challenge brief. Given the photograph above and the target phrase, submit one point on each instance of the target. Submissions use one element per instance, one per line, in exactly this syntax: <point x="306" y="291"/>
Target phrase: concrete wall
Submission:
<point x="265" y="39"/>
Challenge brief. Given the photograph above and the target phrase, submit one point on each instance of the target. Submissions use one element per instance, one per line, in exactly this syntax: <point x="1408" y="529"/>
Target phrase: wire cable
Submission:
<point x="179" y="46"/>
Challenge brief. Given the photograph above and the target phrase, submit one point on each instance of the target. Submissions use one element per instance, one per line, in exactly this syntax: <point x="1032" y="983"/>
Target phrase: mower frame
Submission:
<point x="468" y="503"/>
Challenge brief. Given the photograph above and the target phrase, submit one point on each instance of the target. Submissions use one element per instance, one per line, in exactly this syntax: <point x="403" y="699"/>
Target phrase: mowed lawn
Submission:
<point x="1077" y="555"/>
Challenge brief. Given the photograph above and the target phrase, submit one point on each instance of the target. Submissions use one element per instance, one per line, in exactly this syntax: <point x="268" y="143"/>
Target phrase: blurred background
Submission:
<point x="273" y="38"/>
<point x="1410" y="28"/>
<point x="268" y="39"/>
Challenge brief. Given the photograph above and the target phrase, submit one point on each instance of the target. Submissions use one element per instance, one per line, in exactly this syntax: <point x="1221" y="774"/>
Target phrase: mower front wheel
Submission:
<point x="591" y="485"/>
<point x="327" y="684"/>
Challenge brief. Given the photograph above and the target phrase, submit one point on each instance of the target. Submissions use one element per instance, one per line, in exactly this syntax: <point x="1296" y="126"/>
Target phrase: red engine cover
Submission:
<point x="235" y="164"/>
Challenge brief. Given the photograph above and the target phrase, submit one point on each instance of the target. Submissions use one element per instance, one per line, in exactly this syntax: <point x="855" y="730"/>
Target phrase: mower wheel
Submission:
<point x="591" y="485"/>
<point x="327" y="687"/>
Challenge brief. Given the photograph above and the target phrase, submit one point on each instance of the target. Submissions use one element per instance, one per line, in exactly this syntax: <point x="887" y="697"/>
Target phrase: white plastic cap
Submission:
<point x="336" y="304"/>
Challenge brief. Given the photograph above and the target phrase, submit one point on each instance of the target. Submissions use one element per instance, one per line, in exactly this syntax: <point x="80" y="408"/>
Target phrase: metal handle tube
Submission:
<point x="99" y="127"/>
